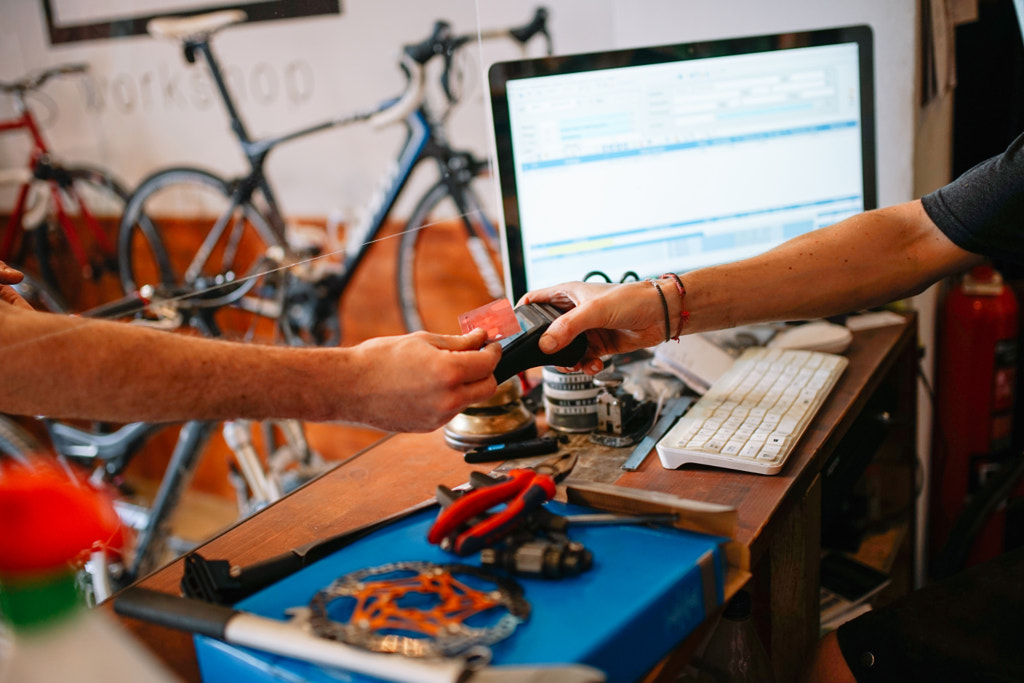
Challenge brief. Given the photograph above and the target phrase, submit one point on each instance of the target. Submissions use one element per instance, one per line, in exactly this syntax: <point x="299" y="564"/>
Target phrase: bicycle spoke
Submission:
<point x="183" y="228"/>
<point x="445" y="260"/>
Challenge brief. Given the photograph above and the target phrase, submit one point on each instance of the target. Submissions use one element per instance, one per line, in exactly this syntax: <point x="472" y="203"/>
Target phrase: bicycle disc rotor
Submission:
<point x="419" y="609"/>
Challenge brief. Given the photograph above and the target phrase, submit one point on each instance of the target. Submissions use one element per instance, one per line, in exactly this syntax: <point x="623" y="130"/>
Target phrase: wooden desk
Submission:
<point x="779" y="516"/>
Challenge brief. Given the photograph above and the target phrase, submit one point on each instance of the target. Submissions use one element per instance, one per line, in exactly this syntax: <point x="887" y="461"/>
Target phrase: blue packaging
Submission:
<point x="649" y="587"/>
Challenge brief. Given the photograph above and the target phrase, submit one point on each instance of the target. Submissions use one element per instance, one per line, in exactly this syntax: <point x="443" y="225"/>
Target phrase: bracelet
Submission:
<point x="684" y="315"/>
<point x="664" y="308"/>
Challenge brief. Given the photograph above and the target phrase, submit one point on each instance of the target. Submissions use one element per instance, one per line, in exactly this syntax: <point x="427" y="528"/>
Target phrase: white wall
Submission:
<point x="143" y="107"/>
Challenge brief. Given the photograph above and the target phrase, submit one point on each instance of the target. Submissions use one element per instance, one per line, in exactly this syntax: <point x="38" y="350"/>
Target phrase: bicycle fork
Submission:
<point x="262" y="489"/>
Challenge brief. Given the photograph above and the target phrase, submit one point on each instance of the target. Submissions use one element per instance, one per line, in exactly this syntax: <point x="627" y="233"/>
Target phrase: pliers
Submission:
<point x="522" y="490"/>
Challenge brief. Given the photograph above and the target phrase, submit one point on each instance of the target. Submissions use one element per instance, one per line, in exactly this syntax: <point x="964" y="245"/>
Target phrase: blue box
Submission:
<point x="648" y="589"/>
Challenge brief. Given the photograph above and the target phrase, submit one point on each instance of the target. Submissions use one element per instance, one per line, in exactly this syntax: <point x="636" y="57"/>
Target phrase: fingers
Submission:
<point x="475" y="392"/>
<point x="9" y="296"/>
<point x="562" y="296"/>
<point x="479" y="365"/>
<point x="590" y="365"/>
<point x="9" y="275"/>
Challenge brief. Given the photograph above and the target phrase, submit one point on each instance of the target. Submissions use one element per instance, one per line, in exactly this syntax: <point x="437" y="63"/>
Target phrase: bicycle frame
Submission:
<point x="41" y="168"/>
<point x="424" y="140"/>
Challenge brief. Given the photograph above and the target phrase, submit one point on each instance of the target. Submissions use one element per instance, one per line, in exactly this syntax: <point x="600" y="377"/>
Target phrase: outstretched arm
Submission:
<point x="70" y="367"/>
<point x="867" y="260"/>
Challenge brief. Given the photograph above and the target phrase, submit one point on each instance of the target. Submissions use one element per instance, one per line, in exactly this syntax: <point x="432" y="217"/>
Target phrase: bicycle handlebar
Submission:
<point x="441" y="42"/>
<point x="35" y="80"/>
<point x="439" y="38"/>
<point x="539" y="24"/>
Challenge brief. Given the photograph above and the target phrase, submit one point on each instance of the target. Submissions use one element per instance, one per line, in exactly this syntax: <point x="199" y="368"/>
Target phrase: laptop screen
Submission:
<point x="677" y="157"/>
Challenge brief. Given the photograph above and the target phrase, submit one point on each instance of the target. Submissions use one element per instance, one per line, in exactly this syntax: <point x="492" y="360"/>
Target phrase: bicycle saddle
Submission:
<point x="198" y="28"/>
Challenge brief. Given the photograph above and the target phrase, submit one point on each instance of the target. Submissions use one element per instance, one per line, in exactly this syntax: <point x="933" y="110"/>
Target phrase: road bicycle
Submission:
<point x="232" y="223"/>
<point x="269" y="459"/>
<point x="59" y="209"/>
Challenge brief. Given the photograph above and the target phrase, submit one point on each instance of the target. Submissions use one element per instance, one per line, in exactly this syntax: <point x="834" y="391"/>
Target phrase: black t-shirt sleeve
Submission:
<point x="982" y="211"/>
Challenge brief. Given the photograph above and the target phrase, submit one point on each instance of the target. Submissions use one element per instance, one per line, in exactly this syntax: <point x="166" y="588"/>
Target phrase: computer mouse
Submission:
<point x="818" y="335"/>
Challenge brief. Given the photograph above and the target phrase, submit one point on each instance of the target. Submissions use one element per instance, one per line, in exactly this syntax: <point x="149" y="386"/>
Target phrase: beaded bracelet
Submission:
<point x="684" y="315"/>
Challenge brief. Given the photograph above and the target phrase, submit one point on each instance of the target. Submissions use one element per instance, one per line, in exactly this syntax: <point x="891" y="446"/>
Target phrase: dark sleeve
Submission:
<point x="982" y="211"/>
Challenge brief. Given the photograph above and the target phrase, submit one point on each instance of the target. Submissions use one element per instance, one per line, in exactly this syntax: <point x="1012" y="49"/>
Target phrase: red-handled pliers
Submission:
<point x="523" y="490"/>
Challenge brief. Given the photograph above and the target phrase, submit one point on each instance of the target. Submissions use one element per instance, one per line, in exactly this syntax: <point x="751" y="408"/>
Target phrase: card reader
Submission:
<point x="520" y="351"/>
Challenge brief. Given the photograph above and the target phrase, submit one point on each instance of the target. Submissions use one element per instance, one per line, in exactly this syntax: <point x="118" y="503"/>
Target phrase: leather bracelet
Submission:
<point x="664" y="308"/>
<point x="684" y="315"/>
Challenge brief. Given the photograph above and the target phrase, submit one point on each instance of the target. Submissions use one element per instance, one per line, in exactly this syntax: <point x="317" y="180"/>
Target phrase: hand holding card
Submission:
<point x="519" y="350"/>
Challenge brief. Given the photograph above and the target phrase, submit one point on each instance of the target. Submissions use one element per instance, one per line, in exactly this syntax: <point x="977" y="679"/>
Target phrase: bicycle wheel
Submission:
<point x="80" y="224"/>
<point x="184" y="231"/>
<point x="447" y="258"/>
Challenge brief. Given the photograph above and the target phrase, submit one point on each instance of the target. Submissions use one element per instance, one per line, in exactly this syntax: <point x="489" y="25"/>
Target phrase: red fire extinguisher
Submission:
<point x="973" y="426"/>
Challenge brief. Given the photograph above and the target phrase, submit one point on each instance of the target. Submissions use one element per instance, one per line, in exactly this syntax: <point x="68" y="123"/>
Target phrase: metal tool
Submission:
<point x="608" y="518"/>
<point x="670" y="412"/>
<point x="292" y="639"/>
<point x="522" y="491"/>
<point x="542" y="558"/>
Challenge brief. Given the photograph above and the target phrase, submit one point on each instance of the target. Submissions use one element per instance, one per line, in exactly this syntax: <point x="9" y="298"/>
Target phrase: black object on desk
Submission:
<point x="520" y="351"/>
<point x="515" y="449"/>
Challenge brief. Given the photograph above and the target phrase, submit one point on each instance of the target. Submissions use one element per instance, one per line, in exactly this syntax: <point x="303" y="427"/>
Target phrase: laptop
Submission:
<point x="676" y="157"/>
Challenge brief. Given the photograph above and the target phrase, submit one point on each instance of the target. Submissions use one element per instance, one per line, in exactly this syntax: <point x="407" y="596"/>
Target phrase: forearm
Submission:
<point x="77" y="368"/>
<point x="867" y="260"/>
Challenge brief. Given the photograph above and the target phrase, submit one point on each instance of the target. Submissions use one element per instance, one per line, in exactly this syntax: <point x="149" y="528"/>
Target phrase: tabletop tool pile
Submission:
<point x="504" y="519"/>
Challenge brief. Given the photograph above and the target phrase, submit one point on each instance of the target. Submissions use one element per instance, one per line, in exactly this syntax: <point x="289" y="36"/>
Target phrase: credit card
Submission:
<point x="496" y="318"/>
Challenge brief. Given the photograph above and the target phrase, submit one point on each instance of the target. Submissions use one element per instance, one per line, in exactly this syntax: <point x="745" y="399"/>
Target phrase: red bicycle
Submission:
<point x="63" y="216"/>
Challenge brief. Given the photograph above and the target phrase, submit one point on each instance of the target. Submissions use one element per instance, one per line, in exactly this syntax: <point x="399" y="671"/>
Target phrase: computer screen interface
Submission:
<point x="679" y="157"/>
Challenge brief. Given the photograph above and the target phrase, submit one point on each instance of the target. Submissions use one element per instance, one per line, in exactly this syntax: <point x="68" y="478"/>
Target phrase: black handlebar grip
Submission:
<point x="537" y="25"/>
<point x="422" y="52"/>
<point x="183" y="614"/>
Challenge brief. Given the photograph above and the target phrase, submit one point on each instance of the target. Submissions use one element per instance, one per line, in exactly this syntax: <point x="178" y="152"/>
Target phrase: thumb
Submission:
<point x="563" y="330"/>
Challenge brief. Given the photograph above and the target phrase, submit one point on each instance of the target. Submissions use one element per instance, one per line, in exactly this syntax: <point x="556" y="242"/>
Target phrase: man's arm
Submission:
<point x="867" y="260"/>
<point x="70" y="367"/>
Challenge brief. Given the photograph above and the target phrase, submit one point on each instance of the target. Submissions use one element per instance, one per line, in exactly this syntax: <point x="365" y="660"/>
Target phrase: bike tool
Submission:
<point x="542" y="548"/>
<point x="522" y="491"/>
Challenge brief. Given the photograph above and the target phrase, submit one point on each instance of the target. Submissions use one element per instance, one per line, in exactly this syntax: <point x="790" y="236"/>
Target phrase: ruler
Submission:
<point x="670" y="412"/>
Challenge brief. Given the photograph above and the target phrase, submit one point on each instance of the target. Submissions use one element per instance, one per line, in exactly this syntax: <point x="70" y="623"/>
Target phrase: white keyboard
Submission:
<point x="753" y="415"/>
